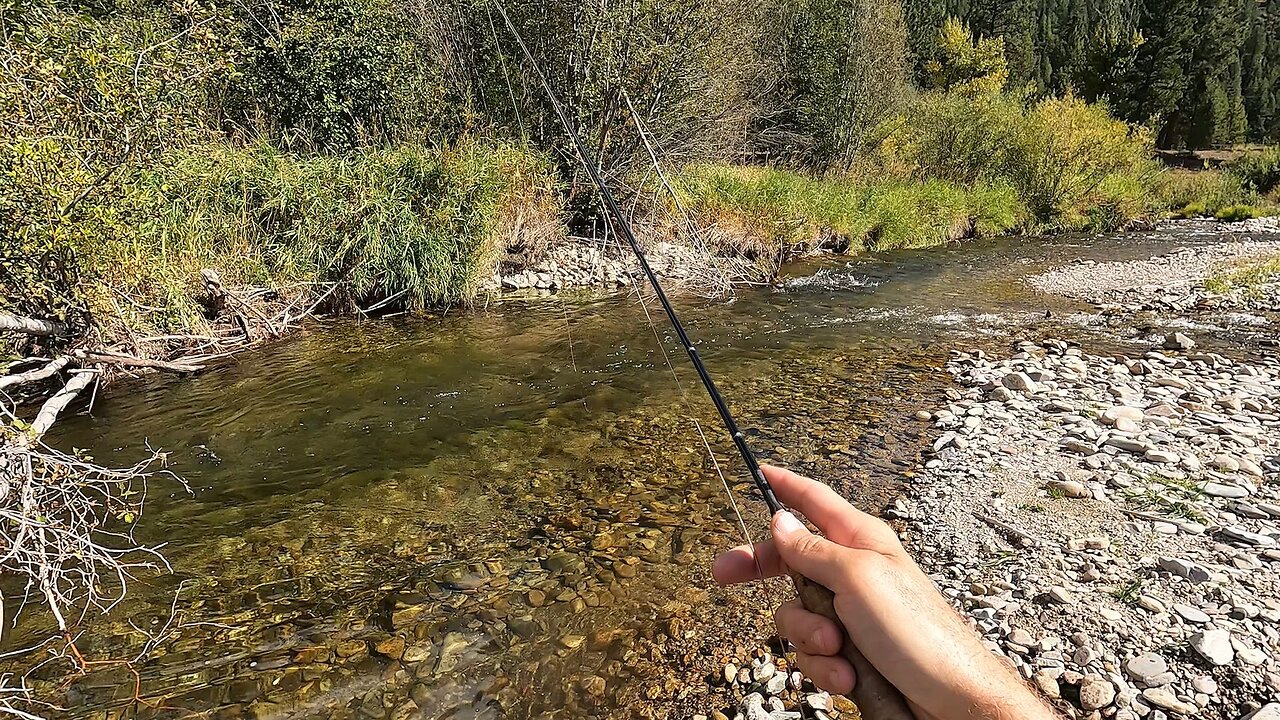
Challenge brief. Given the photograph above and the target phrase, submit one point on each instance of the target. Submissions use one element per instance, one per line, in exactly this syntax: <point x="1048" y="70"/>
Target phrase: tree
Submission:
<point x="977" y="64"/>
<point x="845" y="69"/>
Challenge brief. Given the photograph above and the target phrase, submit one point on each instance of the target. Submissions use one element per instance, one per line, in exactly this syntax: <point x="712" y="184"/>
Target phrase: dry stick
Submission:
<point x="31" y="326"/>
<point x="110" y="358"/>
<point x="49" y="370"/>
<point x="60" y="400"/>
<point x="1024" y="537"/>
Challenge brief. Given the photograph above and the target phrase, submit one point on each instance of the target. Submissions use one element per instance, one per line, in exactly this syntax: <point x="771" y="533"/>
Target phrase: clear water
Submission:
<point x="519" y="492"/>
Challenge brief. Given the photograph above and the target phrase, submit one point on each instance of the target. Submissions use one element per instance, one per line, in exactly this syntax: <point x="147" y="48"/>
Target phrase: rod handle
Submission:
<point x="875" y="696"/>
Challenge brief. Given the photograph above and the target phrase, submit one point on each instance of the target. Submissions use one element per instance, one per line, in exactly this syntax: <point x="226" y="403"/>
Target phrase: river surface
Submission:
<point x="510" y="512"/>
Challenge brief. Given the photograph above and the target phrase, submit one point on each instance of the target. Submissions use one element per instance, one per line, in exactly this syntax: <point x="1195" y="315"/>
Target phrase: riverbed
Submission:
<point x="510" y="512"/>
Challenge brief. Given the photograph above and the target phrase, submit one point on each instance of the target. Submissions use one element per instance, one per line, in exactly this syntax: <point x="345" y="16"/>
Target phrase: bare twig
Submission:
<point x="111" y="358"/>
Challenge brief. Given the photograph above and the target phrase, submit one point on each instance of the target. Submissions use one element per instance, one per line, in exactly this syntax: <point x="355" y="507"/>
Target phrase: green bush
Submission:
<point x="1258" y="171"/>
<point x="423" y="224"/>
<point x="1072" y="164"/>
<point x="1196" y="193"/>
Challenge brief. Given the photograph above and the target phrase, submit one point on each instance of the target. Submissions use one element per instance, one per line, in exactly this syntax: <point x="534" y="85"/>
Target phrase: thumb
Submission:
<point x="813" y="556"/>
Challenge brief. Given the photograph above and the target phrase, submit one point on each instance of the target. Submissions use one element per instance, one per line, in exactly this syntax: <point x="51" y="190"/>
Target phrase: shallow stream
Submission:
<point x="509" y="512"/>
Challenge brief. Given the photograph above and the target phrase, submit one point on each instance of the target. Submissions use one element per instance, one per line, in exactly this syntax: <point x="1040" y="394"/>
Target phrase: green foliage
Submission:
<point x="334" y="72"/>
<point x="1259" y="172"/>
<point x="425" y="223"/>
<point x="1248" y="275"/>
<point x="1198" y="193"/>
<point x="421" y="224"/>
<point x="963" y="61"/>
<point x="1072" y="165"/>
<point x="786" y="208"/>
<point x="1233" y="213"/>
<point x="843" y="70"/>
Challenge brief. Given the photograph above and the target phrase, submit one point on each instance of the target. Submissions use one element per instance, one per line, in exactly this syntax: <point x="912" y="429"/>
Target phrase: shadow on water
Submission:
<point x="509" y="513"/>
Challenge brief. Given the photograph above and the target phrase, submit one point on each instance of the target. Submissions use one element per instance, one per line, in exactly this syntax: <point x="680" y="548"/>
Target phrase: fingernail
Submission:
<point x="786" y="524"/>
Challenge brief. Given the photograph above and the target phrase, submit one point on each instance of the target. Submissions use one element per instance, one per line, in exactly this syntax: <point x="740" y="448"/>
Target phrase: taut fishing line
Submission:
<point x="876" y="697"/>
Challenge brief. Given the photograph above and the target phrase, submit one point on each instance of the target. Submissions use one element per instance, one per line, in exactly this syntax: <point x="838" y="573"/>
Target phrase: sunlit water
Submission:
<point x="518" y="494"/>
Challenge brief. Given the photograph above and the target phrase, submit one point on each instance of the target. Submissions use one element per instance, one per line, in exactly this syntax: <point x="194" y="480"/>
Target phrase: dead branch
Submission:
<point x="59" y="402"/>
<point x="47" y="371"/>
<point x="106" y="357"/>
<point x="31" y="326"/>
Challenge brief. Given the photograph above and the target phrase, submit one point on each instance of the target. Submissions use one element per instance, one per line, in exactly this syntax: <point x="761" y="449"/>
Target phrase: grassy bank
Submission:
<point x="425" y="226"/>
<point x="773" y="212"/>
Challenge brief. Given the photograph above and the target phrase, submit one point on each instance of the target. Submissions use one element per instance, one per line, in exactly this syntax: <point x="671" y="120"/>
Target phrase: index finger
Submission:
<point x="835" y="517"/>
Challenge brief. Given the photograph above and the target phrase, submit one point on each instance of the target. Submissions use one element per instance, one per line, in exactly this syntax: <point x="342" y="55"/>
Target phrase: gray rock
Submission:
<point x="1118" y="412"/>
<point x="1178" y="341"/>
<point x="1096" y="692"/>
<point x="1191" y="614"/>
<point x="1161" y="456"/>
<point x="1146" y="668"/>
<point x="1235" y="532"/>
<point x="1020" y="381"/>
<point x="1204" y="684"/>
<point x="1270" y="711"/>
<point x="763" y="672"/>
<point x="1223" y="490"/>
<point x="1069" y="488"/>
<point x="1061" y="596"/>
<point x="1129" y="445"/>
<point x="1214" y="646"/>
<point x="1184" y="568"/>
<point x="1164" y="698"/>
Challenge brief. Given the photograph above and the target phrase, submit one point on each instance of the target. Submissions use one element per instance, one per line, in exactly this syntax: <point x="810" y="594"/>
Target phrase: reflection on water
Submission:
<point x="509" y="513"/>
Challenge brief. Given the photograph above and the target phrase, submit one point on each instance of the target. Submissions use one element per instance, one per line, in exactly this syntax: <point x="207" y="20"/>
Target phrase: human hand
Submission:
<point x="889" y="607"/>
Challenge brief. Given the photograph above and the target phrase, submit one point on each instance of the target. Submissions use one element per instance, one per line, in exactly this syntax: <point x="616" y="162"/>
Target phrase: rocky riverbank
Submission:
<point x="1181" y="281"/>
<point x="584" y="263"/>
<point x="1110" y="524"/>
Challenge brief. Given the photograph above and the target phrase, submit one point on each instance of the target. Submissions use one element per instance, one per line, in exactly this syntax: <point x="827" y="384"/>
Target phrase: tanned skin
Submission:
<point x="892" y="610"/>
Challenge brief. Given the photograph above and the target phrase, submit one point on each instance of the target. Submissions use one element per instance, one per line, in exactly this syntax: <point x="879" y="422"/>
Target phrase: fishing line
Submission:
<point x="624" y="228"/>
<point x="875" y="696"/>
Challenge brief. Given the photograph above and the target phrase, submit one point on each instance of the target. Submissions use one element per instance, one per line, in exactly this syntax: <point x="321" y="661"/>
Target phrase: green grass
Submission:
<point x="1248" y="275"/>
<point x="427" y="225"/>
<point x="1224" y="195"/>
<point x="776" y="208"/>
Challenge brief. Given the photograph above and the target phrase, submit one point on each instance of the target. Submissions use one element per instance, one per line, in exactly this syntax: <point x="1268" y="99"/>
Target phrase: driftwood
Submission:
<point x="111" y="358"/>
<point x="59" y="402"/>
<point x="53" y="367"/>
<point x="30" y="326"/>
<point x="1023" y="538"/>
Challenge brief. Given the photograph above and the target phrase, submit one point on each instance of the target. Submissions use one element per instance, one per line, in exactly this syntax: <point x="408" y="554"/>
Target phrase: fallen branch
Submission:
<point x="1024" y="538"/>
<point x="59" y="402"/>
<point x="31" y="326"/>
<point x="48" y="370"/>
<point x="110" y="358"/>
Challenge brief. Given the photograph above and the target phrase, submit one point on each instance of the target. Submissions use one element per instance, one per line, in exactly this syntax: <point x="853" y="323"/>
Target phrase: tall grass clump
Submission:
<point x="422" y="225"/>
<point x="781" y="212"/>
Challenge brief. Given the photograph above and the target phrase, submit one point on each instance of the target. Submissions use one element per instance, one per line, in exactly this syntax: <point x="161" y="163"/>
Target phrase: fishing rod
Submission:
<point x="875" y="696"/>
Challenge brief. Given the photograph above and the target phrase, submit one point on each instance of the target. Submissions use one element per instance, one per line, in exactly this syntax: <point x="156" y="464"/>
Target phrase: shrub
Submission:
<point x="1258" y="171"/>
<point x="1195" y="193"/>
<point x="422" y="224"/>
<point x="1071" y="163"/>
